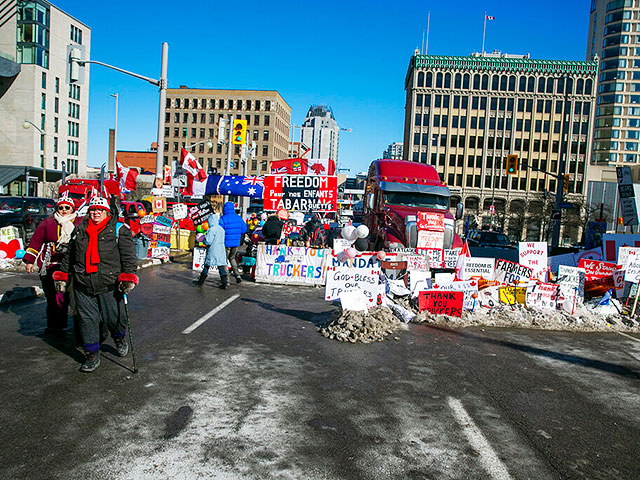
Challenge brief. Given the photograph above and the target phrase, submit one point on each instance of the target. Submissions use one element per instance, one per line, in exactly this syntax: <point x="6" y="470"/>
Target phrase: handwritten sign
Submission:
<point x="478" y="267"/>
<point x="543" y="296"/>
<point x="595" y="269"/>
<point x="430" y="221"/>
<point x="469" y="288"/>
<point x="438" y="302"/>
<point x="430" y="239"/>
<point x="489" y="297"/>
<point x="626" y="255"/>
<point x="199" y="254"/>
<point x="163" y="229"/>
<point x="632" y="272"/>
<point x="571" y="281"/>
<point x="418" y="263"/>
<point x="436" y="258"/>
<point x="179" y="211"/>
<point x="200" y="212"/>
<point x="534" y="256"/>
<point x="160" y="252"/>
<point x="508" y="296"/>
<point x="147" y="219"/>
<point x="340" y="245"/>
<point x="511" y="272"/>
<point x="345" y="279"/>
<point x="450" y="258"/>
<point x="291" y="265"/>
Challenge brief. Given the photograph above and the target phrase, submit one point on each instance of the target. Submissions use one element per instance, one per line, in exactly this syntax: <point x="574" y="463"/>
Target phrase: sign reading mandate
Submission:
<point x="301" y="192"/>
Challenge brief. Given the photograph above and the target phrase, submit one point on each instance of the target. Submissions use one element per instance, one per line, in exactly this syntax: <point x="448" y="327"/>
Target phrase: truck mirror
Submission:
<point x="370" y="201"/>
<point x="459" y="211"/>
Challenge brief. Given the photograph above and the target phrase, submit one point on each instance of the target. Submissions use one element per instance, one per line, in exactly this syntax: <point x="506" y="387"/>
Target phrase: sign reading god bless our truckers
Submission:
<point x="301" y="192"/>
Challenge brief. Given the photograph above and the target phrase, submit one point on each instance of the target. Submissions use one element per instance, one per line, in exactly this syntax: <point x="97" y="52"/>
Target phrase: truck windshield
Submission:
<point x="420" y="200"/>
<point x="11" y="205"/>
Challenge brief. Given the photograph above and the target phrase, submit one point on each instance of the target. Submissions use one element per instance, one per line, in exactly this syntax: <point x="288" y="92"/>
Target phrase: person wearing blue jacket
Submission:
<point x="234" y="229"/>
<point x="216" y="254"/>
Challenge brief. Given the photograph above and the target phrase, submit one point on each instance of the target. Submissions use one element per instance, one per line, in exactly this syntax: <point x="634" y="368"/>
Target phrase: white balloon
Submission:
<point x="362" y="231"/>
<point x="349" y="233"/>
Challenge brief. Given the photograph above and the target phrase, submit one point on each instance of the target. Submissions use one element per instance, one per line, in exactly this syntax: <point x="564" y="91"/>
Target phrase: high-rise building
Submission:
<point x="320" y="133"/>
<point x="193" y="117"/>
<point x="34" y="36"/>
<point x="464" y="115"/>
<point x="393" y="151"/>
<point x="612" y="36"/>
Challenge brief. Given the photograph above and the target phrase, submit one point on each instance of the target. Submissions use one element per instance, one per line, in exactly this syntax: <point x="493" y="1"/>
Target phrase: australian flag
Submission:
<point x="235" y="185"/>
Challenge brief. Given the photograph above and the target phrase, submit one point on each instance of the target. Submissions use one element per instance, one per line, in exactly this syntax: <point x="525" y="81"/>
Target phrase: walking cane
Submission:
<point x="133" y="351"/>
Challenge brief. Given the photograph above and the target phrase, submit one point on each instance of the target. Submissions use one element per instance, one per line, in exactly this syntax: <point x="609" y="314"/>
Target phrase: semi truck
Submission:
<point x="396" y="191"/>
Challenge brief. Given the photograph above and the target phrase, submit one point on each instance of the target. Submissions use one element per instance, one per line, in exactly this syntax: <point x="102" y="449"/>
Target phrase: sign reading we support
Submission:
<point x="345" y="279"/>
<point x="510" y="272"/>
<point x="534" y="256"/>
<point x="438" y="302"/>
<point x="309" y="193"/>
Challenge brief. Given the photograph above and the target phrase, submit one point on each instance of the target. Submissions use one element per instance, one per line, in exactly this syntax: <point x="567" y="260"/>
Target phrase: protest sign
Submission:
<point x="291" y="265"/>
<point x="200" y="212"/>
<point x="147" y="219"/>
<point x="507" y="295"/>
<point x="469" y="288"/>
<point x="478" y="267"/>
<point x="418" y="279"/>
<point x="534" y="256"/>
<point x="626" y="255"/>
<point x="543" y="295"/>
<point x="340" y="245"/>
<point x="9" y="233"/>
<point x="595" y="269"/>
<point x="310" y="193"/>
<point x="611" y="242"/>
<point x="450" y="258"/>
<point x="199" y="254"/>
<point x="632" y="272"/>
<point x="159" y="228"/>
<point x="430" y="221"/>
<point x="555" y="261"/>
<point x="163" y="220"/>
<point x="511" y="272"/>
<point x="362" y="260"/>
<point x="354" y="301"/>
<point x="160" y="252"/>
<point x="159" y="204"/>
<point x="439" y="302"/>
<point x="345" y="279"/>
<point x="430" y="239"/>
<point x="179" y="211"/>
<point x="442" y="277"/>
<point x="571" y="281"/>
<point x="418" y="263"/>
<point x="489" y="297"/>
<point x="436" y="258"/>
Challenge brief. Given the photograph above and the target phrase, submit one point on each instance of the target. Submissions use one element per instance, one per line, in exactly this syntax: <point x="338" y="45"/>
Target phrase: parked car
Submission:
<point x="485" y="243"/>
<point x="25" y="213"/>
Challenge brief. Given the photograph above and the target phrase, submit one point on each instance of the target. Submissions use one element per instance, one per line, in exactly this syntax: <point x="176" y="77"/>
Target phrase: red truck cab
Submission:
<point x="80" y="190"/>
<point x="396" y="191"/>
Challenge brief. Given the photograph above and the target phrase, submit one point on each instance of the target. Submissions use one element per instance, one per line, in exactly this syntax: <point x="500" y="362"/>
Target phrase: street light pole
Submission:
<point x="26" y="124"/>
<point x="115" y="136"/>
<point x="555" y="234"/>
<point x="161" y="108"/>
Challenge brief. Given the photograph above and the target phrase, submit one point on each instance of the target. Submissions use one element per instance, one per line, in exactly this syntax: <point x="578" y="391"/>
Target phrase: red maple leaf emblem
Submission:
<point x="317" y="168"/>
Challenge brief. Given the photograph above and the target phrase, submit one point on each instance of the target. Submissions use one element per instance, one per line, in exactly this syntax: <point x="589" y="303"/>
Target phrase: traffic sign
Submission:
<point x="556" y="215"/>
<point x="566" y="205"/>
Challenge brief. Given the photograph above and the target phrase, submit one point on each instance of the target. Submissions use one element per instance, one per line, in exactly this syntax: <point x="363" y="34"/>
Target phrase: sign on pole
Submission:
<point x="627" y="196"/>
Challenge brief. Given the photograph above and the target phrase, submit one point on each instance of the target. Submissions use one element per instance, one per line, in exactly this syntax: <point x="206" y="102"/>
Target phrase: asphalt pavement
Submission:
<point x="254" y="391"/>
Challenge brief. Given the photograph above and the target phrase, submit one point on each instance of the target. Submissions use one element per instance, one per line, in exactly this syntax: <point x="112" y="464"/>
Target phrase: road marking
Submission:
<point x="628" y="336"/>
<point x="207" y="316"/>
<point x="488" y="457"/>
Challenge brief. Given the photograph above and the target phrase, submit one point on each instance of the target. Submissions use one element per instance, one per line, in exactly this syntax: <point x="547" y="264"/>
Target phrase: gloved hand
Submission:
<point x="60" y="299"/>
<point x="61" y="286"/>
<point x="126" y="287"/>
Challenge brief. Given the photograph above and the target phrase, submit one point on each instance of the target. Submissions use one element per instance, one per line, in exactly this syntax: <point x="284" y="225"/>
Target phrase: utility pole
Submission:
<point x="162" y="83"/>
<point x="555" y="237"/>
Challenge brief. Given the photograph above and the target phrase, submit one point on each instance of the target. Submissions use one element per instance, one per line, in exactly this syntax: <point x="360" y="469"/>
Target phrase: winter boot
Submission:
<point x="224" y="282"/>
<point x="122" y="346"/>
<point x="91" y="362"/>
<point x="201" y="279"/>
<point x="238" y="279"/>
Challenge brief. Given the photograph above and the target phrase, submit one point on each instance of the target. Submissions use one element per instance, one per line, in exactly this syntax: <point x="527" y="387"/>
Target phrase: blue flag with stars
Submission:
<point x="251" y="186"/>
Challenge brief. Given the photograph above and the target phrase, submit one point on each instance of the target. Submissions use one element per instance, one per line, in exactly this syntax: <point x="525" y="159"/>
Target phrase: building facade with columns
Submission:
<point x="464" y="115"/>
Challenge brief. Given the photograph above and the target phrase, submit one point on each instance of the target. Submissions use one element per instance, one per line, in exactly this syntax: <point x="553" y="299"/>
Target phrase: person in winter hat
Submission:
<point x="46" y="249"/>
<point x="102" y="263"/>
<point x="234" y="228"/>
<point x="216" y="252"/>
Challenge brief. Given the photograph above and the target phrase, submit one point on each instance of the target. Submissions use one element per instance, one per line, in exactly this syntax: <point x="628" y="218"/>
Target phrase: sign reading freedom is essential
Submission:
<point x="345" y="279"/>
<point x="438" y="302"/>
<point x="291" y="265"/>
<point x="301" y="192"/>
<point x="478" y="267"/>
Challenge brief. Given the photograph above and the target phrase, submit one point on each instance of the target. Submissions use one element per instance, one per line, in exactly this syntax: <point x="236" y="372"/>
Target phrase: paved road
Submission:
<point x="255" y="392"/>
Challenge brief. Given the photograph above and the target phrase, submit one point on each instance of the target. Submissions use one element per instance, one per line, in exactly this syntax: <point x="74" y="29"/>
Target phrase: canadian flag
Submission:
<point x="489" y="17"/>
<point x="128" y="177"/>
<point x="192" y="166"/>
<point x="321" y="167"/>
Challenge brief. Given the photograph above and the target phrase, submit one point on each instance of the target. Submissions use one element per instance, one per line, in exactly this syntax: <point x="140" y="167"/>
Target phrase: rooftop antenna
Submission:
<point x="422" y="51"/>
<point x="426" y="50"/>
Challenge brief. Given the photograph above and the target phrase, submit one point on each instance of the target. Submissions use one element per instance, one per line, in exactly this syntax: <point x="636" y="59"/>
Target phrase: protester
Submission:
<point x="216" y="253"/>
<point x="315" y="233"/>
<point x="234" y="228"/>
<point x="101" y="257"/>
<point x="46" y="249"/>
<point x="272" y="230"/>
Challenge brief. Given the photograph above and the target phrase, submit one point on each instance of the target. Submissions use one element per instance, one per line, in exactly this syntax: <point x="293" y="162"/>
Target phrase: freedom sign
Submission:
<point x="301" y="192"/>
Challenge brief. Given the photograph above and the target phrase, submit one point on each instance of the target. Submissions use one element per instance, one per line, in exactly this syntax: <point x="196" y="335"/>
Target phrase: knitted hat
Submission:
<point x="65" y="200"/>
<point x="99" y="202"/>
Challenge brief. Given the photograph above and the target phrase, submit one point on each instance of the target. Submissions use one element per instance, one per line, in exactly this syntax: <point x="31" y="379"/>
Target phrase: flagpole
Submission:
<point x="484" y="31"/>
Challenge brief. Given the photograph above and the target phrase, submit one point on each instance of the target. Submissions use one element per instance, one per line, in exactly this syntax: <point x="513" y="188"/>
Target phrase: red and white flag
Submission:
<point x="489" y="17"/>
<point x="321" y="167"/>
<point x="192" y="166"/>
<point x="462" y="257"/>
<point x="127" y="176"/>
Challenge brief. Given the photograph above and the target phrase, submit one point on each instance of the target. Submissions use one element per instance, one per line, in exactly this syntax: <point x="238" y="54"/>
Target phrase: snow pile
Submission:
<point x="12" y="265"/>
<point x="372" y="326"/>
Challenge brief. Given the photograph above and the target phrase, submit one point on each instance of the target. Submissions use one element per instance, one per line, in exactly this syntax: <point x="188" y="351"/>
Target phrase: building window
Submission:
<point x="265" y="135"/>
<point x="76" y="34"/>
<point x="256" y="119"/>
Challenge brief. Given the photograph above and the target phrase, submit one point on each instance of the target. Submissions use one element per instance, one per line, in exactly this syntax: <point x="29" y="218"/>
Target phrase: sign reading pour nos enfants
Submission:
<point x="441" y="303"/>
<point x="308" y="193"/>
<point x="291" y="265"/>
<point x="345" y="279"/>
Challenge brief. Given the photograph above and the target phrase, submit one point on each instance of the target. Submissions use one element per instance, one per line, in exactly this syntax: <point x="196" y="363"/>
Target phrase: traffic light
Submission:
<point x="512" y="165"/>
<point x="239" y="132"/>
<point x="565" y="183"/>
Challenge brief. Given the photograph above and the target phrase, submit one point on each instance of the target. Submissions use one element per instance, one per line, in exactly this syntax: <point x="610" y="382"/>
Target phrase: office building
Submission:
<point x="34" y="36"/>
<point x="193" y="117"/>
<point x="393" y="151"/>
<point x="320" y="133"/>
<point x="464" y="115"/>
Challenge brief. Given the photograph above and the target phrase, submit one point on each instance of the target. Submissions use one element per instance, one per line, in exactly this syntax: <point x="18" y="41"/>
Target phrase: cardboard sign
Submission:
<point x="291" y="265"/>
<point x="419" y="280"/>
<point x="310" y="193"/>
<point x="436" y="257"/>
<point x="469" y="288"/>
<point x="9" y="233"/>
<point x="354" y="301"/>
<point x="200" y="212"/>
<point x="158" y="205"/>
<point x="430" y="239"/>
<point x="340" y="245"/>
<point x="489" y="297"/>
<point x="595" y="269"/>
<point x="478" y="267"/>
<point x="626" y="255"/>
<point x="345" y="279"/>
<point x="418" y="263"/>
<point x="199" y="254"/>
<point x="147" y="219"/>
<point x="632" y="272"/>
<point x="180" y="211"/>
<point x="508" y="296"/>
<point x="611" y="242"/>
<point x="451" y="258"/>
<point x="543" y="295"/>
<point x="438" y="302"/>
<point x="160" y="252"/>
<point x="511" y="272"/>
<point x="162" y="229"/>
<point x="534" y="256"/>
<point x="430" y="221"/>
<point x="571" y="281"/>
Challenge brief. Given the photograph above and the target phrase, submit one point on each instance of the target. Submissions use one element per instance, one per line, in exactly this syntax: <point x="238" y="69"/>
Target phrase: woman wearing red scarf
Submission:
<point x="102" y="260"/>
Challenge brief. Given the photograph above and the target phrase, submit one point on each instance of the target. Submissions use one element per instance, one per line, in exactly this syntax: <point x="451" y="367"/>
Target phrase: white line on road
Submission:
<point x="207" y="316"/>
<point x="488" y="457"/>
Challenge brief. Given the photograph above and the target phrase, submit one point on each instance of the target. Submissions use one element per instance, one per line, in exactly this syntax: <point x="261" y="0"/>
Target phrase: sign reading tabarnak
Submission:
<point x="301" y="192"/>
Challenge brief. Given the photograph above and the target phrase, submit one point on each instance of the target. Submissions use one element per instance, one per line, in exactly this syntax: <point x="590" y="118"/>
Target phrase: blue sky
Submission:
<point x="352" y="56"/>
